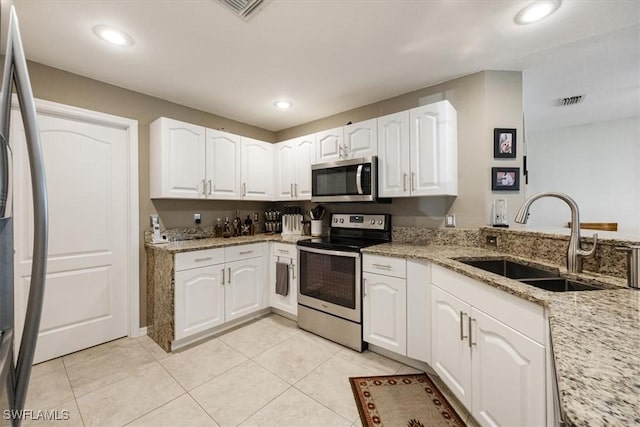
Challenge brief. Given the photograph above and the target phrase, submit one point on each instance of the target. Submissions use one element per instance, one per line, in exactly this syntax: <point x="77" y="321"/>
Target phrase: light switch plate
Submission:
<point x="450" y="220"/>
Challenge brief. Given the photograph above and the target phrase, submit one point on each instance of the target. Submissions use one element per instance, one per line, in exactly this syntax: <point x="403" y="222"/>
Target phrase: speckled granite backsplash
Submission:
<point x="546" y="247"/>
<point x="190" y="233"/>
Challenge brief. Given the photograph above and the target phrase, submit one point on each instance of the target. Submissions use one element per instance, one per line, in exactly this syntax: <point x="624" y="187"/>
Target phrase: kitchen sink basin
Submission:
<point x="541" y="278"/>
<point x="560" y="284"/>
<point x="510" y="269"/>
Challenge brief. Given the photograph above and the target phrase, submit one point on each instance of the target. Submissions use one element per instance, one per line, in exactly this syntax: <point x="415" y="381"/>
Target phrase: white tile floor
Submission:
<point x="267" y="373"/>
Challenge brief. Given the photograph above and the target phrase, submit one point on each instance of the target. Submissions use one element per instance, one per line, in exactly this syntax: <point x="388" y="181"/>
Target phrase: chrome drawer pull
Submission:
<point x="283" y="251"/>
<point x="388" y="267"/>
<point x="203" y="259"/>
<point x="246" y="252"/>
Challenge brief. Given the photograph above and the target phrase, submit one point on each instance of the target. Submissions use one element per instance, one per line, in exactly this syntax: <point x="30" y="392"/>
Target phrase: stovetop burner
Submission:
<point x="351" y="232"/>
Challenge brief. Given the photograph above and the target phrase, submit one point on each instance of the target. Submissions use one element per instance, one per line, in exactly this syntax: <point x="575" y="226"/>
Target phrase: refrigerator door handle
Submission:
<point x="15" y="69"/>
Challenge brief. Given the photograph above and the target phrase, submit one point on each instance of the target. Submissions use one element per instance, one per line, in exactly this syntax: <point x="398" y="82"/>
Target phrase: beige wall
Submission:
<point x="484" y="101"/>
<point x="66" y="88"/>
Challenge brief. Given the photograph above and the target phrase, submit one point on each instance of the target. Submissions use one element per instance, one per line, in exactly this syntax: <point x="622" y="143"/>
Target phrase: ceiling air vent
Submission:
<point x="571" y="100"/>
<point x="245" y="9"/>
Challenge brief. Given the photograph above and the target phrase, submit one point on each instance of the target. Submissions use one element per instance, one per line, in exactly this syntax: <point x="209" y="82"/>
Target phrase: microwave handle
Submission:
<point x="359" y="179"/>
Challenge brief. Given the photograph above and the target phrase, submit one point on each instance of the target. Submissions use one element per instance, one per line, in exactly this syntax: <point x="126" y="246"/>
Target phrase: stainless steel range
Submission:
<point x="330" y="277"/>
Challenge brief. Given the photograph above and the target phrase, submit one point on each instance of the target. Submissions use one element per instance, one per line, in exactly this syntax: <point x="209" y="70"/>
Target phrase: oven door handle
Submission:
<point x="359" y="179"/>
<point x="329" y="252"/>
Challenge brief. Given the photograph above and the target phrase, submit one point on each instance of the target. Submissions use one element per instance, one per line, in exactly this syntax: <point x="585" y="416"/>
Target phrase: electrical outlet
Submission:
<point x="492" y="241"/>
<point x="196" y="218"/>
<point x="450" y="220"/>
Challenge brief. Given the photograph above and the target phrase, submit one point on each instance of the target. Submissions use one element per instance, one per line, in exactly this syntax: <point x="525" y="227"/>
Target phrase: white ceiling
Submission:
<point x="326" y="56"/>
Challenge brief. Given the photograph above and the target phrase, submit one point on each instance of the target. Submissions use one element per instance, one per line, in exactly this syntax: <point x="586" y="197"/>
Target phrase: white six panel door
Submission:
<point x="85" y="300"/>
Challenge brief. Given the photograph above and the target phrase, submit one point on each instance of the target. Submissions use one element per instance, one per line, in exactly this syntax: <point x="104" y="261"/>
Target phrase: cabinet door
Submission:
<point x="177" y="159"/>
<point x="393" y="155"/>
<point x="223" y="165"/>
<point x="329" y="146"/>
<point x="257" y="169"/>
<point x="450" y="351"/>
<point x="385" y="312"/>
<point x="508" y="375"/>
<point x="418" y="311"/>
<point x="284" y="170"/>
<point x="431" y="168"/>
<point x="304" y="155"/>
<point x="361" y="139"/>
<point x="244" y="288"/>
<point x="199" y="300"/>
<point x="287" y="303"/>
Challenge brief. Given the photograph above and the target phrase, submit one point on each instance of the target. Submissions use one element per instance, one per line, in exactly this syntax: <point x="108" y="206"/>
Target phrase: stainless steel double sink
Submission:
<point x="549" y="280"/>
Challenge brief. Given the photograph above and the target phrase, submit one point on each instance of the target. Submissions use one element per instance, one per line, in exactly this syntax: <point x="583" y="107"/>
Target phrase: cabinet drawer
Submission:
<point x="284" y="250"/>
<point x="195" y="259"/>
<point x="236" y="253"/>
<point x="395" y="267"/>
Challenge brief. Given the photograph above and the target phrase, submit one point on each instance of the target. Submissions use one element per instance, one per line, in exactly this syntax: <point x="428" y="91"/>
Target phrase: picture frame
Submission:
<point x="505" y="179"/>
<point x="504" y="143"/>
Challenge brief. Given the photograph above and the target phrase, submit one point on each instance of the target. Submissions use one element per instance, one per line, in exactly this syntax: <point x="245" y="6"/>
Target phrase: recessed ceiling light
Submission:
<point x="536" y="11"/>
<point x="283" y="104"/>
<point x="113" y="36"/>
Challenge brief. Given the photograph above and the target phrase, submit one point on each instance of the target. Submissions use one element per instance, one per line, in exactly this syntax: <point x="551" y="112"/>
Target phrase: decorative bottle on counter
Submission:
<point x="226" y="231"/>
<point x="217" y="229"/>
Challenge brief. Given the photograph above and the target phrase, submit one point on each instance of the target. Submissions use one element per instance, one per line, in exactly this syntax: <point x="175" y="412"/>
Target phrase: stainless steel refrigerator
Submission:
<point x="15" y="372"/>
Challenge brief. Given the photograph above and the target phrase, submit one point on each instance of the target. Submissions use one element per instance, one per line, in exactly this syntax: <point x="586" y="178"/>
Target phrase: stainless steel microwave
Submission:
<point x="353" y="180"/>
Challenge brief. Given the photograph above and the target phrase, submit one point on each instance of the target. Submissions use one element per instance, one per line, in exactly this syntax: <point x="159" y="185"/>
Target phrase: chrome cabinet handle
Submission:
<point x="386" y="266"/>
<point x="295" y="189"/>
<point x="283" y="251"/>
<point x="462" y="335"/>
<point x="340" y="149"/>
<point x="229" y="278"/>
<point x="246" y="252"/>
<point x="204" y="187"/>
<point x="413" y="181"/>
<point x="293" y="270"/>
<point x="471" y="343"/>
<point x="209" y="187"/>
<point x="244" y="189"/>
<point x="291" y="189"/>
<point x="202" y="259"/>
<point x="222" y="276"/>
<point x="404" y="181"/>
<point x="364" y="288"/>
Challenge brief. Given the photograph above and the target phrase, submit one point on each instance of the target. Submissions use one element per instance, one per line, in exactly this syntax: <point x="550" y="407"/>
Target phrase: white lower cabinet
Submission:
<point x="287" y="254"/>
<point x="199" y="300"/>
<point x="385" y="312"/>
<point x="395" y="306"/>
<point x="496" y="371"/>
<point x="209" y="291"/>
<point x="244" y="290"/>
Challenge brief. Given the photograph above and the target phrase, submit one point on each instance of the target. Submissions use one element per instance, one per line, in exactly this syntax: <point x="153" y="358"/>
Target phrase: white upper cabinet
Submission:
<point x="292" y="168"/>
<point x="329" y="145"/>
<point x="223" y="165"/>
<point x="361" y="139"/>
<point x="177" y="159"/>
<point x="417" y="152"/>
<point x="256" y="170"/>
<point x="347" y="142"/>
<point x="393" y="155"/>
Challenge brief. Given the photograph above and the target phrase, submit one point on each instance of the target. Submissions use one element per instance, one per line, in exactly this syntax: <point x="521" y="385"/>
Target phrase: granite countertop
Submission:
<point x="595" y="335"/>
<point x="219" y="242"/>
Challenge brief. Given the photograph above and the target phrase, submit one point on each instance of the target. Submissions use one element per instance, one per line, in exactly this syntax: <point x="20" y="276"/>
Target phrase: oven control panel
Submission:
<point x="359" y="221"/>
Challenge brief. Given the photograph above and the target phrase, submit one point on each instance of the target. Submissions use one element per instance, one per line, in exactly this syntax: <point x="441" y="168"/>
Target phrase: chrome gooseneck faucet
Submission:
<point x="574" y="252"/>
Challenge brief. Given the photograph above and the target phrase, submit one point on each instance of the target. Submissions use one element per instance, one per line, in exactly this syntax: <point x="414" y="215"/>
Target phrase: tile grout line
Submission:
<point x="75" y="398"/>
<point x="154" y="409"/>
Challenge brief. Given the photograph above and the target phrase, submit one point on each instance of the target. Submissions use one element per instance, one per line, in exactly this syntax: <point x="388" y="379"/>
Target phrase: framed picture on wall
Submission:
<point x="504" y="143"/>
<point x="505" y="179"/>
